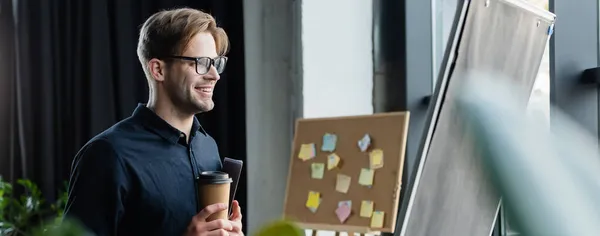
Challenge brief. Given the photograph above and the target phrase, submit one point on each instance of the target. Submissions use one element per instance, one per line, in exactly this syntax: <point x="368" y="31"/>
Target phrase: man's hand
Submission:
<point x="236" y="219"/>
<point x="200" y="227"/>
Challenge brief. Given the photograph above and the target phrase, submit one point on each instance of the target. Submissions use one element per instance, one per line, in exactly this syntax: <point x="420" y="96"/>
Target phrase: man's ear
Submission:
<point x="157" y="69"/>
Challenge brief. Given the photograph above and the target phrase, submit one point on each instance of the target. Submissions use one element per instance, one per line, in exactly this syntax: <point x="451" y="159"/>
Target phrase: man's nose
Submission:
<point x="212" y="74"/>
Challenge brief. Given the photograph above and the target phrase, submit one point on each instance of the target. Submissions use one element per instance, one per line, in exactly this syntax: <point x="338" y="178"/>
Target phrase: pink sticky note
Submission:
<point x="343" y="212"/>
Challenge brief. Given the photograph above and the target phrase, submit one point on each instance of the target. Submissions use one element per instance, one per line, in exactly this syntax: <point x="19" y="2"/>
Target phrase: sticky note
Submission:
<point x="307" y="151"/>
<point x="376" y="159"/>
<point x="366" y="209"/>
<point x="317" y="170"/>
<point x="313" y="200"/>
<point x="342" y="183"/>
<point x="343" y="212"/>
<point x="329" y="141"/>
<point x="366" y="177"/>
<point x="364" y="143"/>
<point x="377" y="219"/>
<point x="333" y="160"/>
<point x="314" y="209"/>
<point x="347" y="203"/>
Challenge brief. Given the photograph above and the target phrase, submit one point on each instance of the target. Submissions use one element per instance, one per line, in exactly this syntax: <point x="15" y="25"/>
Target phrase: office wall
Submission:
<point x="300" y="62"/>
<point x="574" y="47"/>
<point x="337" y="58"/>
<point x="269" y="30"/>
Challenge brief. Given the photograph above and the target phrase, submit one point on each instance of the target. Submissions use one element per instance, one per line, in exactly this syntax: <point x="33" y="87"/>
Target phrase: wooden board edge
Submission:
<point x="382" y="114"/>
<point x="396" y="204"/>
<point x="344" y="228"/>
<point x="289" y="176"/>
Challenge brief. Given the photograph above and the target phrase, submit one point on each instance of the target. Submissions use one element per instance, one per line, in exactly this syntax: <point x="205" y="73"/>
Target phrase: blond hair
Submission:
<point x="169" y="32"/>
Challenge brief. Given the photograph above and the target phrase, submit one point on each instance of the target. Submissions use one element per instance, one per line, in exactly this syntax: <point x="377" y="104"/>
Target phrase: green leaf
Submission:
<point x="65" y="228"/>
<point x="5" y="225"/>
<point x="20" y="215"/>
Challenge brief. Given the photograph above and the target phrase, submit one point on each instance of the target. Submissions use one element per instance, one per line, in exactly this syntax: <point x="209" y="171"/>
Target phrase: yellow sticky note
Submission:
<point x="313" y="200"/>
<point x="343" y="183"/>
<point x="332" y="161"/>
<point x="377" y="219"/>
<point x="317" y="170"/>
<point x="366" y="209"/>
<point x="376" y="159"/>
<point x="366" y="177"/>
<point x="307" y="151"/>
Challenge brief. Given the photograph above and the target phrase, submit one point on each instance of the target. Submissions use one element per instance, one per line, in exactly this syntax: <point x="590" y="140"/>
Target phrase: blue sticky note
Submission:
<point x="347" y="203"/>
<point x="329" y="141"/>
<point x="364" y="143"/>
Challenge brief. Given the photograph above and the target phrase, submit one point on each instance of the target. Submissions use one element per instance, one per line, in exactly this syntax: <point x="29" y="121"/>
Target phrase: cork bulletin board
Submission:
<point x="337" y="172"/>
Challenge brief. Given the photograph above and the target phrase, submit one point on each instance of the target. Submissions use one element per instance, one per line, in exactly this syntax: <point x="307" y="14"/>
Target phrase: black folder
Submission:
<point x="232" y="167"/>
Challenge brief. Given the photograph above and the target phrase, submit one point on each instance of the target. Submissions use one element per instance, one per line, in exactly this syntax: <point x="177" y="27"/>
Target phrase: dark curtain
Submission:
<point x="7" y="87"/>
<point x="76" y="73"/>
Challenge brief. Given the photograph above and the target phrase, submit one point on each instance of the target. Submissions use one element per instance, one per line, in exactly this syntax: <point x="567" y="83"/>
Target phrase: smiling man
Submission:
<point x="138" y="177"/>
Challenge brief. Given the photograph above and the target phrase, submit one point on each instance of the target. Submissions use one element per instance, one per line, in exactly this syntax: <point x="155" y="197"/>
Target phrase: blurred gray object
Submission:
<point x="450" y="195"/>
<point x="548" y="177"/>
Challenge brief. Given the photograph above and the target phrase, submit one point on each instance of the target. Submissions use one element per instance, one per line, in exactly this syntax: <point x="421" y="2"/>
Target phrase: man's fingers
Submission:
<point x="236" y="206"/>
<point x="237" y="226"/>
<point x="236" y="213"/>
<point x="218" y="224"/>
<point x="219" y="232"/>
<point x="209" y="210"/>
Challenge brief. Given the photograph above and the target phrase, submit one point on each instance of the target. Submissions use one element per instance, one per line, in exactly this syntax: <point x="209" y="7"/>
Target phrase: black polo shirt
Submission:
<point x="137" y="177"/>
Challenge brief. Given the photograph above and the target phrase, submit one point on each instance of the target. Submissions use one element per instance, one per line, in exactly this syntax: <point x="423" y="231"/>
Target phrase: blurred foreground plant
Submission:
<point x="29" y="214"/>
<point x="280" y="228"/>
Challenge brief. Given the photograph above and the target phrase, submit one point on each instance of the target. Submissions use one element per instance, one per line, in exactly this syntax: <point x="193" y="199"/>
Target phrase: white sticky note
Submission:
<point x="342" y="183"/>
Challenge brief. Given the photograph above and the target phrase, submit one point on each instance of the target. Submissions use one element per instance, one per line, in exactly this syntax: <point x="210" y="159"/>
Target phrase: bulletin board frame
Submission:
<point x="388" y="132"/>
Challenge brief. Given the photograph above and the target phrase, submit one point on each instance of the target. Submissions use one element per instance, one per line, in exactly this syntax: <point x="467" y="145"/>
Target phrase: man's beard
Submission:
<point x="188" y="101"/>
<point x="200" y="105"/>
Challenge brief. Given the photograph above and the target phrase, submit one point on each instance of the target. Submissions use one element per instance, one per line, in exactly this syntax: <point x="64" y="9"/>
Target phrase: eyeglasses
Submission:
<point x="203" y="64"/>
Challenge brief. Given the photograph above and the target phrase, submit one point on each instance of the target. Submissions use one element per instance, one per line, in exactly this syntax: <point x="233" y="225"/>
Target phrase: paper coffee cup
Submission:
<point x="214" y="187"/>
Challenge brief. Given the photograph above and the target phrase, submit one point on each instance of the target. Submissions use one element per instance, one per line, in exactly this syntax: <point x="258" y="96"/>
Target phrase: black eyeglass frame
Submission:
<point x="197" y="61"/>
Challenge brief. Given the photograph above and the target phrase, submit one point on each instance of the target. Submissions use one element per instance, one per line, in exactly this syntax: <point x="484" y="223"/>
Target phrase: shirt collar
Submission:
<point x="152" y="121"/>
